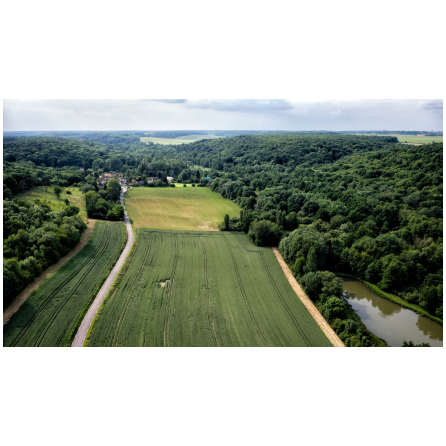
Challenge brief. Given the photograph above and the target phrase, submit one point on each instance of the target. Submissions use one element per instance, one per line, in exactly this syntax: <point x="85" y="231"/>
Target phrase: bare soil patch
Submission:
<point x="309" y="305"/>
<point x="23" y="296"/>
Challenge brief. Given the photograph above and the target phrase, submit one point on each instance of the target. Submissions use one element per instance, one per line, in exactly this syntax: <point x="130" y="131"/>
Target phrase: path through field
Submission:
<point x="88" y="319"/>
<point x="317" y="316"/>
<point x="23" y="296"/>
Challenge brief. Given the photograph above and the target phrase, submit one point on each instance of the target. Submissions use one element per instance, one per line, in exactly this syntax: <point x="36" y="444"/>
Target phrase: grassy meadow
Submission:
<point x="203" y="289"/>
<point x="175" y="141"/>
<point x="54" y="310"/>
<point x="49" y="197"/>
<point x="179" y="208"/>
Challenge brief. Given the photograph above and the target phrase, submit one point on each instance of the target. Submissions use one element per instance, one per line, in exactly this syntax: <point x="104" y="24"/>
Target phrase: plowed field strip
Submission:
<point x="98" y="255"/>
<point x="320" y="320"/>
<point x="245" y="298"/>
<point x="287" y="308"/>
<point x="48" y="300"/>
<point x="208" y="294"/>
<point x="131" y="292"/>
<point x="169" y="294"/>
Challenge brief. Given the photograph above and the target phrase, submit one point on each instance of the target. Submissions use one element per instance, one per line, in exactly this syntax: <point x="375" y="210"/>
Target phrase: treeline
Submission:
<point x="273" y="153"/>
<point x="19" y="177"/>
<point x="34" y="237"/>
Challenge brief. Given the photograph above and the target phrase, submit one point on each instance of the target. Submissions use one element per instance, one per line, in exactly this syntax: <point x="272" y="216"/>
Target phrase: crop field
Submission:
<point x="55" y="309"/>
<point x="203" y="289"/>
<point x="414" y="139"/>
<point x="179" y="208"/>
<point x="180" y="140"/>
<point x="48" y="197"/>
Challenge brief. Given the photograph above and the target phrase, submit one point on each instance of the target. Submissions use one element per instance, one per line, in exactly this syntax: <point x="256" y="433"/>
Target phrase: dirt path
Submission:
<point x="88" y="319"/>
<point x="23" y="296"/>
<point x="320" y="320"/>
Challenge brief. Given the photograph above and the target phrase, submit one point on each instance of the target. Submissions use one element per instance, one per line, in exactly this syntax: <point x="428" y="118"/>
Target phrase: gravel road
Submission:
<point x="88" y="319"/>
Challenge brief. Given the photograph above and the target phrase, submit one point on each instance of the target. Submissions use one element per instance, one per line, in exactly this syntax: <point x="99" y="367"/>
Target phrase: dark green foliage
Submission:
<point x="57" y="190"/>
<point x="97" y="207"/>
<point x="225" y="225"/>
<point x="264" y="233"/>
<point x="116" y="214"/>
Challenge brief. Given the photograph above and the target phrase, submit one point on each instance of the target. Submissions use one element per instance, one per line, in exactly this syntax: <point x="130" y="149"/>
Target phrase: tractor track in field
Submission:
<point x="208" y="294"/>
<point x="279" y="294"/>
<point x="103" y="248"/>
<point x="48" y="300"/>
<point x="169" y="295"/>
<point x="24" y="295"/>
<point x="242" y="289"/>
<point x="317" y="316"/>
<point x="287" y="308"/>
<point x="130" y="293"/>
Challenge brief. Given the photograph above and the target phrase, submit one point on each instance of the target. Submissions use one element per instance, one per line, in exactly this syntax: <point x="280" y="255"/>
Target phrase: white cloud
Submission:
<point x="217" y="114"/>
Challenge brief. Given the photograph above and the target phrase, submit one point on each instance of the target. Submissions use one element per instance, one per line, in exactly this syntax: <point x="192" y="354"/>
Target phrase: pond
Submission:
<point x="389" y="321"/>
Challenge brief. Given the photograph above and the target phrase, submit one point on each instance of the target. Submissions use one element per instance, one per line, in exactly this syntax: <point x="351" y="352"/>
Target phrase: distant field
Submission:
<point x="203" y="289"/>
<point x="413" y="139"/>
<point x="180" y="140"/>
<point x="49" y="198"/>
<point x="49" y="315"/>
<point x="179" y="208"/>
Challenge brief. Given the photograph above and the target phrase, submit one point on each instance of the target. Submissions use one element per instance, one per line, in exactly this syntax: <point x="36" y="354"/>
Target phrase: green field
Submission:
<point x="179" y="208"/>
<point x="180" y="140"/>
<point x="414" y="139"/>
<point x="203" y="289"/>
<point x="49" y="197"/>
<point x="52" y="312"/>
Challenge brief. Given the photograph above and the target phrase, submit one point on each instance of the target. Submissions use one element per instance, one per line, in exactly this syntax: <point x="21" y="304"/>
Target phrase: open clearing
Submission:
<point x="203" y="289"/>
<point x="49" y="197"/>
<point x="179" y="208"/>
<point x="54" y="309"/>
<point x="180" y="140"/>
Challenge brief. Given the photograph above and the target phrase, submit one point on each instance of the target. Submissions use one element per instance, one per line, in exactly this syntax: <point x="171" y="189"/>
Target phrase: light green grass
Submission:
<point x="180" y="140"/>
<point x="179" y="208"/>
<point x="203" y="289"/>
<point x="49" y="197"/>
<point x="51" y="315"/>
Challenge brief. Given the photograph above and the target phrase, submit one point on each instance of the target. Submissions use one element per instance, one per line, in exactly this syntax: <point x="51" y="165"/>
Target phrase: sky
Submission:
<point x="222" y="114"/>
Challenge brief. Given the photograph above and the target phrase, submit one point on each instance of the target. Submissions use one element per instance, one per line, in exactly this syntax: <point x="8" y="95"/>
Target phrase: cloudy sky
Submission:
<point x="223" y="114"/>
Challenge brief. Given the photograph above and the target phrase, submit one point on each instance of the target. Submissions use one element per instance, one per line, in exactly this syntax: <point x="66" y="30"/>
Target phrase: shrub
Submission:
<point x="265" y="233"/>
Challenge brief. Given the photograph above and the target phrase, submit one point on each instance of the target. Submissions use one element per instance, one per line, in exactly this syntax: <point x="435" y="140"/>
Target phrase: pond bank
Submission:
<point x="388" y="320"/>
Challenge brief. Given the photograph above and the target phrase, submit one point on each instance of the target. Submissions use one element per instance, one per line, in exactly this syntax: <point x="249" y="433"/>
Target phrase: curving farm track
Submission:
<point x="88" y="319"/>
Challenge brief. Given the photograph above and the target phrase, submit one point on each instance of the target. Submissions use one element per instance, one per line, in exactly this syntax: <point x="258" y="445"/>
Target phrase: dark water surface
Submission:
<point x="389" y="321"/>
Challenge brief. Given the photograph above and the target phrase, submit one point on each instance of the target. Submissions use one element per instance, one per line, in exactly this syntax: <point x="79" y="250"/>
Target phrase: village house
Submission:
<point x="169" y="179"/>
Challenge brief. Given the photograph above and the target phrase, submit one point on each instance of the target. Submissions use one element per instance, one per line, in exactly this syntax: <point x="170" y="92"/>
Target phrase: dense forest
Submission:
<point x="356" y="204"/>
